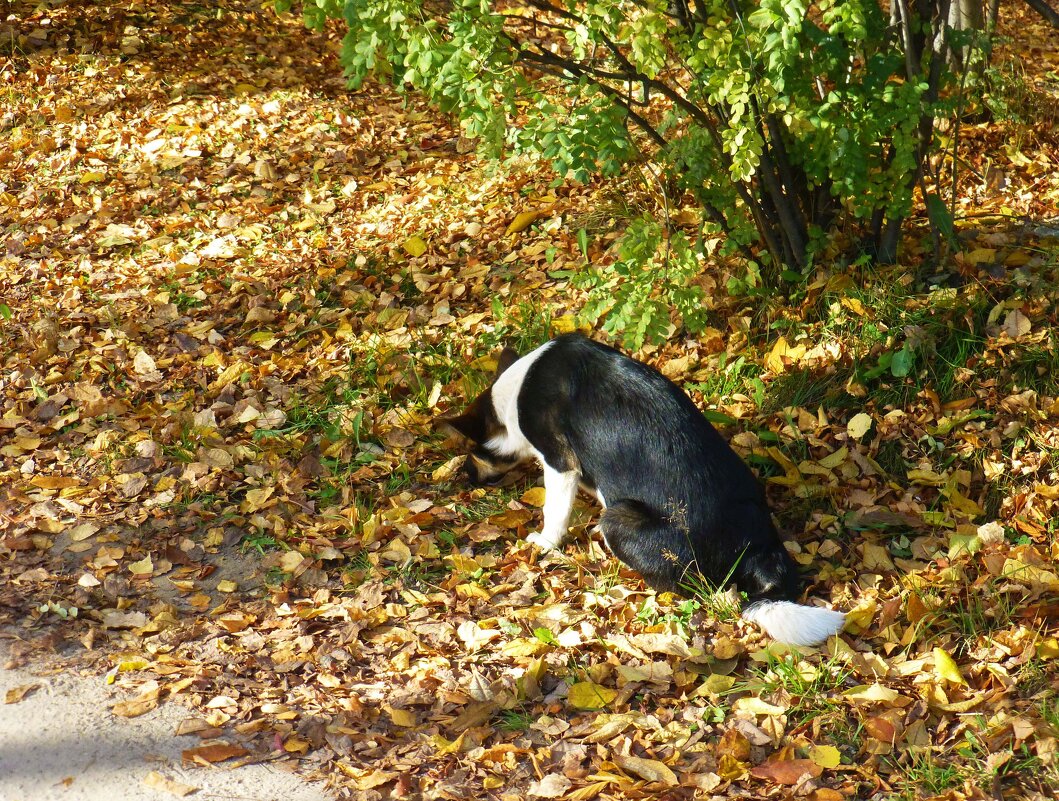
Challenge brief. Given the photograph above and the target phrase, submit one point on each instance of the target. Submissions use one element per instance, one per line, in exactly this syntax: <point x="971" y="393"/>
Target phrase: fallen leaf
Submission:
<point x="522" y="221"/>
<point x="533" y="497"/>
<point x="872" y="692"/>
<point x="946" y="668"/>
<point x="859" y="425"/>
<point x="415" y="246"/>
<point x="554" y="785"/>
<point x="650" y="769"/>
<point x="17" y="694"/>
<point x="136" y="706"/>
<point x="589" y="695"/>
<point x="144" y="567"/>
<point x="786" y="771"/>
<point x="1017" y="324"/>
<point x="156" y="781"/>
<point x="826" y="756"/>
<point x="215" y="752"/>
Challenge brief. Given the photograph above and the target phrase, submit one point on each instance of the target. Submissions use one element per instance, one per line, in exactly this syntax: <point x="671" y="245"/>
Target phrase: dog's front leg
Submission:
<point x="560" y="489"/>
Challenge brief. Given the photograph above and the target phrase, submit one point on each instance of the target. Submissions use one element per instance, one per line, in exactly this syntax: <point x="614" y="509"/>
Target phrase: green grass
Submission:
<point x="522" y="326"/>
<point x="729" y="378"/>
<point x="925" y="776"/>
<point x="493" y="501"/>
<point x="1036" y="367"/>
<point x="904" y="338"/>
<point x="679" y="616"/>
<point x="514" y="720"/>
<point x="808" y="686"/>
<point x="971" y="613"/>
<point x="260" y="542"/>
<point x="716" y="602"/>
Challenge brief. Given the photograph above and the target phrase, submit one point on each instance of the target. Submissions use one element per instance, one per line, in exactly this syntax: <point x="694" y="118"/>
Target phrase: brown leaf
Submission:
<point x="135" y="707"/>
<point x="215" y="752"/>
<point x="735" y="743"/>
<point x="881" y="729"/>
<point x="16" y="694"/>
<point x="786" y="771"/>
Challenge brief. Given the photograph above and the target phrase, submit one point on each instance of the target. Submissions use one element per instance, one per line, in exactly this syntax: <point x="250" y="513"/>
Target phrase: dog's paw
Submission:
<point x="542" y="541"/>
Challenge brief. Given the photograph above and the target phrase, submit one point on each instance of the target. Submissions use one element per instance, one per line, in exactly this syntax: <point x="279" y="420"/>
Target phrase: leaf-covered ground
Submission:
<point x="232" y="298"/>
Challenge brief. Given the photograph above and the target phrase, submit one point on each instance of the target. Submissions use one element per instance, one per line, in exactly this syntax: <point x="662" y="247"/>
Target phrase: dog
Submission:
<point x="679" y="505"/>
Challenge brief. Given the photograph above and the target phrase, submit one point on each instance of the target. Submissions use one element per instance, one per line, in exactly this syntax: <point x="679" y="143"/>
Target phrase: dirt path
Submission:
<point x="61" y="741"/>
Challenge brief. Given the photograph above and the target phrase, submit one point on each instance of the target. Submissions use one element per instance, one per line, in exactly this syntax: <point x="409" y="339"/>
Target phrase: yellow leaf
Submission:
<point x="230" y="374"/>
<point x="1030" y="575"/>
<point x="730" y="768"/>
<point x="54" y="482"/>
<point x="782" y="353"/>
<point x="523" y="646"/>
<point x="296" y="745"/>
<point x="256" y="498"/>
<point x="650" y="769"/>
<point x="860" y="617"/>
<point x="963" y="504"/>
<point x="142" y="568"/>
<point x="1048" y="649"/>
<point x="835" y="459"/>
<point x="415" y="246"/>
<point x="533" y="497"/>
<point x="872" y="692"/>
<point x="402" y="717"/>
<point x="16" y="694"/>
<point x="981" y="256"/>
<point x="826" y="756"/>
<point x="756" y="706"/>
<point x="859" y="425"/>
<point x="522" y="221"/>
<point x="565" y="324"/>
<point x="588" y="792"/>
<point x="156" y="781"/>
<point x="946" y="667"/>
<point x="877" y="558"/>
<point x="854" y="305"/>
<point x="443" y="746"/>
<point x="132" y="664"/>
<point x="716" y="684"/>
<point x="589" y="695"/>
<point x="926" y="477"/>
<point x="92" y="177"/>
<point x="227" y="586"/>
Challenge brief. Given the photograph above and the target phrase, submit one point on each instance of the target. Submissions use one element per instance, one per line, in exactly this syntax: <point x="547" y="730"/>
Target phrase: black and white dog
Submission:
<point x="679" y="504"/>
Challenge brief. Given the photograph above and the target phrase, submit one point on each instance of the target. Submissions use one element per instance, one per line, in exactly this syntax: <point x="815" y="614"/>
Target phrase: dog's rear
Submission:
<point x="662" y="554"/>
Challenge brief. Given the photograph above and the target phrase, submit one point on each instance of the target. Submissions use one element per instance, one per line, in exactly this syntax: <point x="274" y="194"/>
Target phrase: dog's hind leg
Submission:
<point x="649" y="544"/>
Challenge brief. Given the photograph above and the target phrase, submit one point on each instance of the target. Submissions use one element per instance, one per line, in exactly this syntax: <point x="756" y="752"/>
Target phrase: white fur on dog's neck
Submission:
<point x="504" y="396"/>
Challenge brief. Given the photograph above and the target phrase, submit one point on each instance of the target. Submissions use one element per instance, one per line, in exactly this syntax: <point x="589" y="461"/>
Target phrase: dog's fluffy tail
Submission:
<point x="794" y="624"/>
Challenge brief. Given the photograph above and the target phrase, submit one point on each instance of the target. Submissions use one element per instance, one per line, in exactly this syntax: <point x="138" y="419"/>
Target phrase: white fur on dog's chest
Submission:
<point x="504" y="396"/>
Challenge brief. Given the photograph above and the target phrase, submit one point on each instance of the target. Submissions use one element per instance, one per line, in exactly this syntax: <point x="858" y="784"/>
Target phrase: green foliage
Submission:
<point x="653" y="274"/>
<point x="781" y="118"/>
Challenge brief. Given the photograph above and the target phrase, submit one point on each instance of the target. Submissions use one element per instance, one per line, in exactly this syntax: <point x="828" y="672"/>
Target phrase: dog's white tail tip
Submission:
<point x="795" y="624"/>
